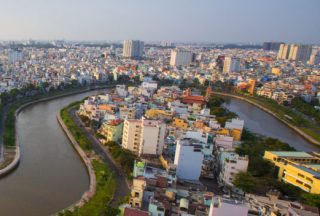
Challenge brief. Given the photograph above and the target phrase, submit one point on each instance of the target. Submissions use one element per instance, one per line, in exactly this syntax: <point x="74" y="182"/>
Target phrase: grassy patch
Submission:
<point x="106" y="184"/>
<point x="98" y="205"/>
<point x="123" y="157"/>
<point x="77" y="132"/>
<point x="9" y="138"/>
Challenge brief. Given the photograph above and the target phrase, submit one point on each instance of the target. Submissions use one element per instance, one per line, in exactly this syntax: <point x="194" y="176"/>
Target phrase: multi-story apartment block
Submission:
<point x="231" y="64"/>
<point x="143" y="136"/>
<point x="112" y="130"/>
<point x="231" y="164"/>
<point x="300" y="169"/>
<point x="180" y="57"/>
<point x="133" y="49"/>
<point x="188" y="160"/>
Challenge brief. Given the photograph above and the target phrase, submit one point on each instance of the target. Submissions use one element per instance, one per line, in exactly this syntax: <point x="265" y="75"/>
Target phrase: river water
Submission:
<point x="258" y="121"/>
<point x="50" y="175"/>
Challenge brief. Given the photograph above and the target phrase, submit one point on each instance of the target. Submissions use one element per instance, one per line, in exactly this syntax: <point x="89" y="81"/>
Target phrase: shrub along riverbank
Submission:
<point x="106" y="184"/>
<point x="9" y="138"/>
<point x="123" y="157"/>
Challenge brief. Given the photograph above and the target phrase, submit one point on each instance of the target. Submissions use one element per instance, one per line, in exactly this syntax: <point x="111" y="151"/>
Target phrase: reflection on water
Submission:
<point x="51" y="175"/>
<point x="258" y="121"/>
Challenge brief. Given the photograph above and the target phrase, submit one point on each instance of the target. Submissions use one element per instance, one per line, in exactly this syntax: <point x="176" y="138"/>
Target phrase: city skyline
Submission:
<point x="211" y="21"/>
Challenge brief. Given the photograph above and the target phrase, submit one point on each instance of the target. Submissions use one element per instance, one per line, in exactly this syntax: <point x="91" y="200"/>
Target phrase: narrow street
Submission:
<point x="122" y="185"/>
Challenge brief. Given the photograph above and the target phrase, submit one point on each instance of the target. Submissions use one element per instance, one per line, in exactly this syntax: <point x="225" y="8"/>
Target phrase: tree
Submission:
<point x="245" y="181"/>
<point x="312" y="199"/>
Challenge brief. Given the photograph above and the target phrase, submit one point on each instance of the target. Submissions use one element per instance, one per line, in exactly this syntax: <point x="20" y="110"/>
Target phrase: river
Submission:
<point x="258" y="121"/>
<point x="51" y="175"/>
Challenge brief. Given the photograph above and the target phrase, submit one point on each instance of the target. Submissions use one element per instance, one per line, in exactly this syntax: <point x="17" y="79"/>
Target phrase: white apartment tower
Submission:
<point x="180" y="57"/>
<point x="143" y="136"/>
<point x="283" y="52"/>
<point x="15" y="56"/>
<point x="231" y="64"/>
<point x="188" y="160"/>
<point x="295" y="52"/>
<point x="133" y="48"/>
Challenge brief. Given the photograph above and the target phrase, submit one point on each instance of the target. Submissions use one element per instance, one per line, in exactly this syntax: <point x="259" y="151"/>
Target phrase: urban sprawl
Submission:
<point x="161" y="110"/>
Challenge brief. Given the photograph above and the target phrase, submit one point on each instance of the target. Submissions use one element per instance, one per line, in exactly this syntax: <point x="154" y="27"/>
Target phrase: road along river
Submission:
<point x="51" y="175"/>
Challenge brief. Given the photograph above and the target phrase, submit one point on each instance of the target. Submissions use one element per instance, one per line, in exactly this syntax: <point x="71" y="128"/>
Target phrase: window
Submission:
<point x="309" y="179"/>
<point x="300" y="175"/>
<point x="299" y="182"/>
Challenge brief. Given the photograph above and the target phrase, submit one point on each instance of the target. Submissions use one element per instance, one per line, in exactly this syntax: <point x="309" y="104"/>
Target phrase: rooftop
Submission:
<point x="292" y="154"/>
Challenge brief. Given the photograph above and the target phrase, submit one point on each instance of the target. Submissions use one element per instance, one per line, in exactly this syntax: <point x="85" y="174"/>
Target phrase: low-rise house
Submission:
<point x="112" y="130"/>
<point x="231" y="164"/>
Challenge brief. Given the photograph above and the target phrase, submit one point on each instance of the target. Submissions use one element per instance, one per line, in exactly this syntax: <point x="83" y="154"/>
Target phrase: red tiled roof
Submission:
<point x="134" y="212"/>
<point x="193" y="99"/>
<point x="162" y="182"/>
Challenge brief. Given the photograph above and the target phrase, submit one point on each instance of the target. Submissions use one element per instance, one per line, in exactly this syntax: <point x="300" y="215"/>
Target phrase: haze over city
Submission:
<point x="229" y="21"/>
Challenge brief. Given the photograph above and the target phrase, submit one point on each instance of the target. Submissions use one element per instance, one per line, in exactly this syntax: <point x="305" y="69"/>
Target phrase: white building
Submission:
<point x="180" y="57"/>
<point x="222" y="207"/>
<point x="231" y="64"/>
<point x="231" y="164"/>
<point x="143" y="136"/>
<point x="197" y="135"/>
<point x="152" y="137"/>
<point x="121" y="90"/>
<point x="225" y="142"/>
<point x="15" y="56"/>
<point x="149" y="85"/>
<point x="133" y="48"/>
<point x="235" y="124"/>
<point x="188" y="160"/>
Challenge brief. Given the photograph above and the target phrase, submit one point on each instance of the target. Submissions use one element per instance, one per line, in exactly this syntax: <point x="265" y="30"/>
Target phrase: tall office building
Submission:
<point x="133" y="48"/>
<point x="231" y="64"/>
<point x="180" y="57"/>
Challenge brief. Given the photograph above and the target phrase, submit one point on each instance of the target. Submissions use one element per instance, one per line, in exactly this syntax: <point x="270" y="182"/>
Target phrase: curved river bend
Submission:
<point x="51" y="175"/>
<point x="258" y="121"/>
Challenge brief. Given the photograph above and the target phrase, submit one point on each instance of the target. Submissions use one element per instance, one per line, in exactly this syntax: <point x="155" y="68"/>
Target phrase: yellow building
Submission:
<point x="252" y="85"/>
<point x="300" y="169"/>
<point x="180" y="123"/>
<point x="223" y="131"/>
<point x="157" y="113"/>
<point x="236" y="134"/>
<point x="276" y="71"/>
<point x="137" y="191"/>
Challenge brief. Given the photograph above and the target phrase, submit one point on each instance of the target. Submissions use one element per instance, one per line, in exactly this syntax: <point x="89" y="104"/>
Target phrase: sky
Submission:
<point x="220" y="21"/>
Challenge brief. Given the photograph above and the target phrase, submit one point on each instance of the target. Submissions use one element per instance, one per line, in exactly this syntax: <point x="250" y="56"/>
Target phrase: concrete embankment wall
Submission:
<point x="16" y="159"/>
<point x="92" y="189"/>
<point x="296" y="129"/>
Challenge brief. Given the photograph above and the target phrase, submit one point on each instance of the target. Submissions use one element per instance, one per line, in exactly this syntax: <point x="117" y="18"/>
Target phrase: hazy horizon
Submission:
<point x="212" y="21"/>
